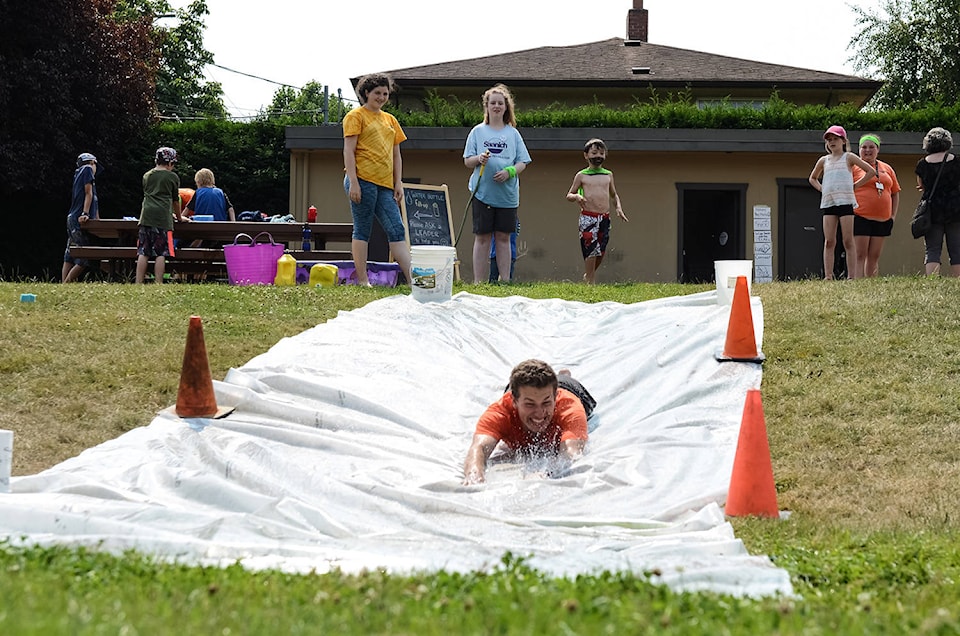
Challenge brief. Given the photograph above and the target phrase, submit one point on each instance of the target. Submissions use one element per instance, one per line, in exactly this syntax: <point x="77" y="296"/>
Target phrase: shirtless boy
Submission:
<point x="592" y="190"/>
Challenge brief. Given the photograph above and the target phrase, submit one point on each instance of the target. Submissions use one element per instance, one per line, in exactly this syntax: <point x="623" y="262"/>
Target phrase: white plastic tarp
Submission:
<point x="347" y="444"/>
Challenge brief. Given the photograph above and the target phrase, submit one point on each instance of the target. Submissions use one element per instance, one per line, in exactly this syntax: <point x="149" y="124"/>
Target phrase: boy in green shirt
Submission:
<point x="161" y="206"/>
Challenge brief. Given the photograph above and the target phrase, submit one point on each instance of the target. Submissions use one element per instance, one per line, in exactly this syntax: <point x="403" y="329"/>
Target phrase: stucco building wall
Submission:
<point x="648" y="166"/>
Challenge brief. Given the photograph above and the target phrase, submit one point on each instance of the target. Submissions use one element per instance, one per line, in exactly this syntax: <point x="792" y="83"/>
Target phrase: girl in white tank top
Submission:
<point x="832" y="176"/>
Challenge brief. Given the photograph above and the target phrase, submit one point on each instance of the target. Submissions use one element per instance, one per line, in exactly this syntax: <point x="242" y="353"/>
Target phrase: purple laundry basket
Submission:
<point x="252" y="263"/>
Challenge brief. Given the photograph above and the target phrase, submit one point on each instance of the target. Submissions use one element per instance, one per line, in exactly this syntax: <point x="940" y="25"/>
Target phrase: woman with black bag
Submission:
<point x="939" y="175"/>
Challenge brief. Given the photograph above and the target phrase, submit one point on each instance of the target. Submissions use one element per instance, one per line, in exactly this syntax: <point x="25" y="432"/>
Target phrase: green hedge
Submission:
<point x="680" y="111"/>
<point x="250" y="162"/>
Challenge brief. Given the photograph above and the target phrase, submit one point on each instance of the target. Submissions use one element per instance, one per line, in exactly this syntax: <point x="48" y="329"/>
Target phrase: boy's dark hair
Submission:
<point x="595" y="142"/>
<point x="369" y="82"/>
<point x="535" y="373"/>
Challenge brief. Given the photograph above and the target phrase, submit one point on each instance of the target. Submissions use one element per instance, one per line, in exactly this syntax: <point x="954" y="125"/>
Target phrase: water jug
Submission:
<point x="286" y="271"/>
<point x="306" y="238"/>
<point x="324" y="275"/>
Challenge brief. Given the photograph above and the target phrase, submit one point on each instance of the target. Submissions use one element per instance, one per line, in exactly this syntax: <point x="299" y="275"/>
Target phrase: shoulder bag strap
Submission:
<point x="937" y="180"/>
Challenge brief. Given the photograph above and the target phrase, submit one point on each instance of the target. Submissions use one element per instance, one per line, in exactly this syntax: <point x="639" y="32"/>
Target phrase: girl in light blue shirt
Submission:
<point x="497" y="155"/>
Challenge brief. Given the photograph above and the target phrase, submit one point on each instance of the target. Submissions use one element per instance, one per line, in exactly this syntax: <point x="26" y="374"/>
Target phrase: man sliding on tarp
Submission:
<point x="541" y="414"/>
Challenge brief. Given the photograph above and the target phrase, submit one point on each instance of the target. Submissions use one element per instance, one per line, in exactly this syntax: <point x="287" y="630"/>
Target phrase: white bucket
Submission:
<point x="6" y="459"/>
<point x="432" y="270"/>
<point x="726" y="275"/>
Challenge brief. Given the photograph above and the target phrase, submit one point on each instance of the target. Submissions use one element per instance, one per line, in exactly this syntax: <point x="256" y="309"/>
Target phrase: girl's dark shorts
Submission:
<point x="488" y="219"/>
<point x="868" y="227"/>
<point x="838" y="210"/>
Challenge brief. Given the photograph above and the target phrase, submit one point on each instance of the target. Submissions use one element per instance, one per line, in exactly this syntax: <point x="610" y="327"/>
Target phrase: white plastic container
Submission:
<point x="6" y="459"/>
<point x="726" y="275"/>
<point x="432" y="268"/>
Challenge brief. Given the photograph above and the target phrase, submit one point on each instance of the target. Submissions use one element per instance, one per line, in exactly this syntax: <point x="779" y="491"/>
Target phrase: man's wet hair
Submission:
<point x="535" y="373"/>
<point x="595" y="142"/>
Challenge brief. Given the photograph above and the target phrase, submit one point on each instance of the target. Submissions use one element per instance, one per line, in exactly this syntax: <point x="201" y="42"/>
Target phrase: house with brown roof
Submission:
<point x="692" y="196"/>
<point x="619" y="72"/>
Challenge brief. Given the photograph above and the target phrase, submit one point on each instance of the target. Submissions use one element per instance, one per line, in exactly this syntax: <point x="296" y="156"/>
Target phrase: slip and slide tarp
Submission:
<point x="347" y="445"/>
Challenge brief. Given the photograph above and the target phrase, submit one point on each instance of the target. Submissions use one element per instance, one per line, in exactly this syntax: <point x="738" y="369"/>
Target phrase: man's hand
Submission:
<point x="473" y="478"/>
<point x="475" y="466"/>
<point x="573" y="448"/>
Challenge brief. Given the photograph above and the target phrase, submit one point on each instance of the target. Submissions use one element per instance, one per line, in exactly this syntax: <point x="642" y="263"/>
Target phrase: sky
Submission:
<point x="295" y="41"/>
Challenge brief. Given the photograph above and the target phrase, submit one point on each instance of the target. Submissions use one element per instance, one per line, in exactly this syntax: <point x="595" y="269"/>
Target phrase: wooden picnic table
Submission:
<point x="116" y="240"/>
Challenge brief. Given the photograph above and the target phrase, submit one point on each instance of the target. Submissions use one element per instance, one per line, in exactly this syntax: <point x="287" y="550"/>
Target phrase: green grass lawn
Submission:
<point x="861" y="400"/>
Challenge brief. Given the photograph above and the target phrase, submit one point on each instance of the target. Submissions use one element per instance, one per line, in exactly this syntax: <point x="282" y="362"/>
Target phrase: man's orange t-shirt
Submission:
<point x="502" y="422"/>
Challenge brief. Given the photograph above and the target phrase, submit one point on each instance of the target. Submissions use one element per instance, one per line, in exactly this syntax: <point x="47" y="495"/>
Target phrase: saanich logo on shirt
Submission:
<point x="495" y="147"/>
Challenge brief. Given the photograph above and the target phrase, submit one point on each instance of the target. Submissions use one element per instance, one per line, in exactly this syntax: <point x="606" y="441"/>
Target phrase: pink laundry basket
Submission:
<point x="252" y="263"/>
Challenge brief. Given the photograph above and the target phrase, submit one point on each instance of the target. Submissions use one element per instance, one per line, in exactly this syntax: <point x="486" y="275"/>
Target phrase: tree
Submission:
<point x="181" y="92"/>
<point x="83" y="81"/>
<point x="72" y="79"/>
<point x="305" y="106"/>
<point x="914" y="47"/>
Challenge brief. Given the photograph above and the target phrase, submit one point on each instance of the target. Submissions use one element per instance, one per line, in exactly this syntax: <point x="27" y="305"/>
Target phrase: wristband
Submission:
<point x="512" y="171"/>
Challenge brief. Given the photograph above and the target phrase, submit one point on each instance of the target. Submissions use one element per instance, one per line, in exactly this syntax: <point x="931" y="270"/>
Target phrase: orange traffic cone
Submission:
<point x="752" y="491"/>
<point x="741" y="345"/>
<point x="195" y="396"/>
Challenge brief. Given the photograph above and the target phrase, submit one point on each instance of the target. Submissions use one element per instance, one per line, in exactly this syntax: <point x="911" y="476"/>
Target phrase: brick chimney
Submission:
<point x="637" y="22"/>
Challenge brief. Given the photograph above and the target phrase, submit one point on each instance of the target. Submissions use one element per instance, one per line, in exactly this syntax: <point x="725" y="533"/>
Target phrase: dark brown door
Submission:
<point x="712" y="228"/>
<point x="801" y="231"/>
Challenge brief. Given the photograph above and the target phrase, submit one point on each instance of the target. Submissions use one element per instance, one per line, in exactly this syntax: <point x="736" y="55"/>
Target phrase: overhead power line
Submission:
<point x="264" y="79"/>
